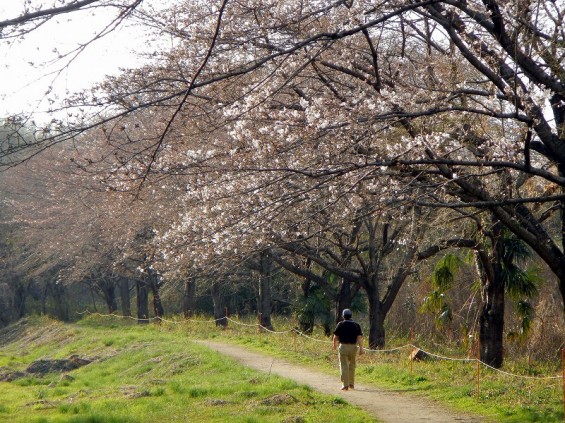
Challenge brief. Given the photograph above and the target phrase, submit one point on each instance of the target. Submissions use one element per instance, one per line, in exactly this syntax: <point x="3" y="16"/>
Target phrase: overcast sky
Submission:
<point x="27" y="71"/>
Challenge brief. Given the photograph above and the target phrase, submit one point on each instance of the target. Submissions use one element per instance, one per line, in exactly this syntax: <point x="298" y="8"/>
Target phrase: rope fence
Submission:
<point x="410" y="346"/>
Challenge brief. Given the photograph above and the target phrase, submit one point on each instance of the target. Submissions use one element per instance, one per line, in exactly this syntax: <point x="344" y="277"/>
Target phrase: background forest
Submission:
<point x="404" y="159"/>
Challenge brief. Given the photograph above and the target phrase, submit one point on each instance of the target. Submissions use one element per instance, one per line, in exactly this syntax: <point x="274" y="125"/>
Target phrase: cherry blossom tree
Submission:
<point x="70" y="220"/>
<point x="29" y="26"/>
<point x="313" y="97"/>
<point x="262" y="114"/>
<point x="32" y="16"/>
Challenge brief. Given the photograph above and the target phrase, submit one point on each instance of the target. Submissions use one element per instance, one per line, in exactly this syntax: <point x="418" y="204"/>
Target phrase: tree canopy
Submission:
<point x="305" y="132"/>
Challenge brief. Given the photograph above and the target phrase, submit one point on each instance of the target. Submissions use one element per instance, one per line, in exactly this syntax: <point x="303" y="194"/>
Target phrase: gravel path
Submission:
<point x="386" y="406"/>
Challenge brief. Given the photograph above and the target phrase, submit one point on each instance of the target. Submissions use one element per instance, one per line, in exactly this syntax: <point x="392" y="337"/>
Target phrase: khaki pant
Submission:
<point x="347" y="356"/>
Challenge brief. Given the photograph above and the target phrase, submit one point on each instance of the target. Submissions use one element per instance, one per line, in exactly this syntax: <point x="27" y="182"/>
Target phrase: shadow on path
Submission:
<point x="386" y="406"/>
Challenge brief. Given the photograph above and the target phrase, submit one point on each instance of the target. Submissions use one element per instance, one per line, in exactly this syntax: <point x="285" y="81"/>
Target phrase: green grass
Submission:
<point x="147" y="373"/>
<point x="515" y="397"/>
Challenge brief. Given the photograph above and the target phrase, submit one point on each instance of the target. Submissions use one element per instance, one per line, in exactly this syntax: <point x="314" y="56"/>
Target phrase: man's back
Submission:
<point x="347" y="331"/>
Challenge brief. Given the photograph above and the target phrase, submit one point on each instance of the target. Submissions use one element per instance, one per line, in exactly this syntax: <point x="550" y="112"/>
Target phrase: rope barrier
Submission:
<point x="312" y="338"/>
<point x="150" y="319"/>
<point x="276" y="332"/>
<point x="118" y="316"/>
<point x="242" y="324"/>
<point x="441" y="357"/>
<point x="520" y="376"/>
<point x="387" y="350"/>
<point x="486" y="365"/>
<point x="444" y="357"/>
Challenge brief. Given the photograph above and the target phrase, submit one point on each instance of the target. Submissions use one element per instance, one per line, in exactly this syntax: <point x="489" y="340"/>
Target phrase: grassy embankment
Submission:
<point x="145" y="374"/>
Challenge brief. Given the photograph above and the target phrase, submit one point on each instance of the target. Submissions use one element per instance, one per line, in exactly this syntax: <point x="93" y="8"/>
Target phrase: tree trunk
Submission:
<point x="61" y="303"/>
<point x="20" y="301"/>
<point x="491" y="319"/>
<point x="125" y="299"/>
<point x="343" y="299"/>
<point x="376" y="319"/>
<point x="14" y="307"/>
<point x="189" y="297"/>
<point x="154" y="285"/>
<point x="560" y="110"/>
<point x="491" y="332"/>
<point x="110" y="297"/>
<point x="43" y="299"/>
<point x="157" y="303"/>
<point x="93" y="296"/>
<point x="219" y="306"/>
<point x="265" y="299"/>
<point x="142" y="301"/>
<point x="306" y="319"/>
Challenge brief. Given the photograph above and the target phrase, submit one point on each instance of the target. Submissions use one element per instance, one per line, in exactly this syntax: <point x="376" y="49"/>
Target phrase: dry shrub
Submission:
<point x="547" y="337"/>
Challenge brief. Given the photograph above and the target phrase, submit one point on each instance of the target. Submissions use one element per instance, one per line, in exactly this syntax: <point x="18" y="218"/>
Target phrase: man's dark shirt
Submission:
<point x="347" y="331"/>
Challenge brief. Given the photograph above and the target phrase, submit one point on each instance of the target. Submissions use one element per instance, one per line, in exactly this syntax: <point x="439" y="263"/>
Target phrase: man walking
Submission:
<point x="348" y="334"/>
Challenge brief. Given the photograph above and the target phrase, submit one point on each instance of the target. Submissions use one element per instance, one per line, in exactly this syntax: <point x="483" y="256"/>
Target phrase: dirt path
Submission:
<point x="386" y="406"/>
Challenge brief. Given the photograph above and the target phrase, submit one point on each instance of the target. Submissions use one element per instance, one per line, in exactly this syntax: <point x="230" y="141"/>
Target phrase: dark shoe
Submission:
<point x="344" y="388"/>
<point x="351" y="387"/>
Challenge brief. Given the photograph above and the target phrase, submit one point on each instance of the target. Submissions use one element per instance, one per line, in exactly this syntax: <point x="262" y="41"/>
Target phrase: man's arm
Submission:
<point x="335" y="341"/>
<point x="360" y="343"/>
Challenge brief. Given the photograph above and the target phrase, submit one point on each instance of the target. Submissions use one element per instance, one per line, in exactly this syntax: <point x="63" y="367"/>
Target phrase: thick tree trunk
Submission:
<point x="491" y="319"/>
<point x="154" y="285"/>
<point x="93" y="297"/>
<point x="20" y="296"/>
<point x="110" y="297"/>
<point x="343" y="299"/>
<point x="142" y="301"/>
<point x="561" y="274"/>
<point x="43" y="299"/>
<point x="219" y="306"/>
<point x="376" y="320"/>
<point x="306" y="319"/>
<point x="125" y="299"/>
<point x="189" y="297"/>
<point x="265" y="298"/>
<point x="61" y="301"/>
<point x="14" y="307"/>
<point x="157" y="303"/>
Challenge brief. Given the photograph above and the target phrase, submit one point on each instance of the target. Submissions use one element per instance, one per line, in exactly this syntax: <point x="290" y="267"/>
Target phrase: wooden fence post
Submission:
<point x="411" y="350"/>
<point x="563" y="372"/>
<point x="294" y="332"/>
<point x="478" y="368"/>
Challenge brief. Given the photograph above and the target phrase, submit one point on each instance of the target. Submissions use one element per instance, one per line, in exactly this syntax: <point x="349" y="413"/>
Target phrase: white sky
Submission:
<point x="24" y="65"/>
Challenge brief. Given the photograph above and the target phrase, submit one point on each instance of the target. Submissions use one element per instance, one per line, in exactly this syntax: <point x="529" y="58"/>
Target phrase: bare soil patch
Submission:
<point x="43" y="367"/>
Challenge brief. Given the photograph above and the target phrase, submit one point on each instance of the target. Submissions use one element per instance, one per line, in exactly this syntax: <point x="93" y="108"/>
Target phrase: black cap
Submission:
<point x="347" y="313"/>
